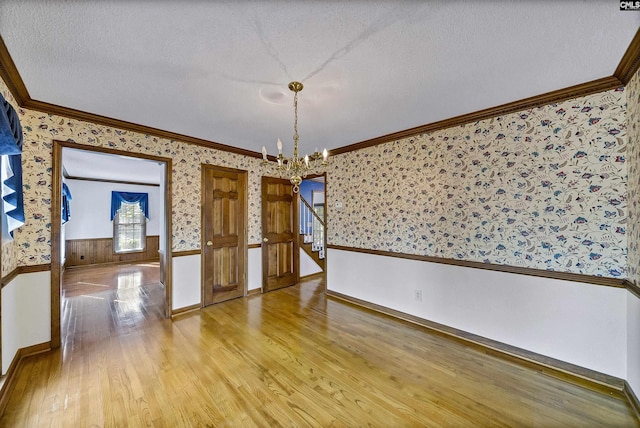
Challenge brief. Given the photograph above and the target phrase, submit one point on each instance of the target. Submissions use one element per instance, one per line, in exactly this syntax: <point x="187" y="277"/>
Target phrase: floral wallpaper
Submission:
<point x="40" y="129"/>
<point x="544" y="188"/>
<point x="633" y="124"/>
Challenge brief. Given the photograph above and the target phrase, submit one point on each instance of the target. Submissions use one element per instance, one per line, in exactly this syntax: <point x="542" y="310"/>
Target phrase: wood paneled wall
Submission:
<point x="83" y="252"/>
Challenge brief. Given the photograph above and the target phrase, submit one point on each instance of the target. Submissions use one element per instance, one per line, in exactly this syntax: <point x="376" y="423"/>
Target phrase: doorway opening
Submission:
<point x="293" y="231"/>
<point x="111" y="234"/>
<point x="312" y="225"/>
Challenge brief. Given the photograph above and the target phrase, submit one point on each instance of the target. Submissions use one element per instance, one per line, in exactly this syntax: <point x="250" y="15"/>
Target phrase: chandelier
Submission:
<point x="295" y="168"/>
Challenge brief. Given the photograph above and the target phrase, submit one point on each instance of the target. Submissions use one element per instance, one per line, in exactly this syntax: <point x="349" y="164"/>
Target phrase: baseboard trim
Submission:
<point x="186" y="253"/>
<point x="8" y="380"/>
<point x="186" y="309"/>
<point x="632" y="398"/>
<point x="633" y="288"/>
<point x="123" y="262"/>
<point x="312" y="276"/>
<point x="577" y="375"/>
<point x="254" y="291"/>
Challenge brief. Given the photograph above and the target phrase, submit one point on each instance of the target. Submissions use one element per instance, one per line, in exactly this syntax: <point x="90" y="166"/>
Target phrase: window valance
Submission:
<point x="118" y="198"/>
<point x="11" y="150"/>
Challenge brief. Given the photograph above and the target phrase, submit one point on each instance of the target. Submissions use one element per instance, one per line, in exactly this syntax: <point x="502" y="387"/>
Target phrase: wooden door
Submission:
<point x="279" y="240"/>
<point x="224" y="242"/>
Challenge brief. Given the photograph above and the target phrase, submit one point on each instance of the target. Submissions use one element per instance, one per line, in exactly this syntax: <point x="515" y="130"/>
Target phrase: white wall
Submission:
<point x="307" y="265"/>
<point x="162" y="244"/>
<point x="63" y="237"/>
<point x="91" y="208"/>
<point x="187" y="276"/>
<point x="185" y="283"/>
<point x="582" y="324"/>
<point x="63" y="247"/>
<point x="26" y="314"/>
<point x="254" y="269"/>
<point x="633" y="342"/>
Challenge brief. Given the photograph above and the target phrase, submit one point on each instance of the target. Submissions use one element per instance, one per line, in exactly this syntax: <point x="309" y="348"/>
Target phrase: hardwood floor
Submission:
<point x="291" y="357"/>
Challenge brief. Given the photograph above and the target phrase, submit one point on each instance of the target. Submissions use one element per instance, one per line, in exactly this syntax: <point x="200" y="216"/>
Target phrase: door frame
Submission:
<point x="326" y="225"/>
<point x="326" y="205"/>
<point x="245" y="226"/>
<point x="56" y="225"/>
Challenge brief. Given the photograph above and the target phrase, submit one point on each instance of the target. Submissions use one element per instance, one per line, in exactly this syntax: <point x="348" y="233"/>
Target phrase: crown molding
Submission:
<point x="104" y="180"/>
<point x="134" y="127"/>
<point x="628" y="66"/>
<point x="588" y="88"/>
<point x="630" y="62"/>
<point x="12" y="78"/>
<point x="10" y="75"/>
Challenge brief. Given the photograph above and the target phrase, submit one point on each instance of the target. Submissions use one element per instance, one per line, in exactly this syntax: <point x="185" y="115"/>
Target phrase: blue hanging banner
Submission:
<point x="66" y="208"/>
<point x="11" y="146"/>
<point x="10" y="129"/>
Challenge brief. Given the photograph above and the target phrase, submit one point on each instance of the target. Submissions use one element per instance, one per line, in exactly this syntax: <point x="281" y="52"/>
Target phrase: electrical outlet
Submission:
<point x="417" y="295"/>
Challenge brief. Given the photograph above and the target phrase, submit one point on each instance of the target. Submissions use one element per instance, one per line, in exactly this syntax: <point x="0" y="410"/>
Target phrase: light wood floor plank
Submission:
<point x="291" y="357"/>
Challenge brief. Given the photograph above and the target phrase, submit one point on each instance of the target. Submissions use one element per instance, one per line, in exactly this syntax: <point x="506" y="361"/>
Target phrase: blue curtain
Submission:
<point x="11" y="145"/>
<point x="117" y="198"/>
<point x="66" y="197"/>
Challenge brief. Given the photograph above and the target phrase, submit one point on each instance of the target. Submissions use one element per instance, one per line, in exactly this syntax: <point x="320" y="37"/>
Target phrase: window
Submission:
<point x="129" y="228"/>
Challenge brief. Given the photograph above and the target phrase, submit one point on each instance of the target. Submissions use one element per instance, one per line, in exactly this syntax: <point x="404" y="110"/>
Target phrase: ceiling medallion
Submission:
<point x="295" y="168"/>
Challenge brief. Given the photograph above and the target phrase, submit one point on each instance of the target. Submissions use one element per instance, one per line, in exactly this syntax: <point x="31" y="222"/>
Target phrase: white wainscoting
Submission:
<point x="254" y="269"/>
<point x="578" y="323"/>
<point x="308" y="266"/>
<point x="633" y="342"/>
<point x="186" y="277"/>
<point x="185" y="285"/>
<point x="26" y="314"/>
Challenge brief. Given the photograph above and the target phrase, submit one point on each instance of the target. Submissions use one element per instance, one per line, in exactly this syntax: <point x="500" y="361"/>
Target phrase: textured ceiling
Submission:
<point x="219" y="70"/>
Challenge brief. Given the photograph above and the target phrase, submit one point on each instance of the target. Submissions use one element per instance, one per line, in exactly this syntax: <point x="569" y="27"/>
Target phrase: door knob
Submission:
<point x="209" y="243"/>
<point x="265" y="239"/>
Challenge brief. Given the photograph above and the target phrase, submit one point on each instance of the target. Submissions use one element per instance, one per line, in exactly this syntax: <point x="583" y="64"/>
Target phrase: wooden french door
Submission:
<point x="280" y="250"/>
<point x="224" y="225"/>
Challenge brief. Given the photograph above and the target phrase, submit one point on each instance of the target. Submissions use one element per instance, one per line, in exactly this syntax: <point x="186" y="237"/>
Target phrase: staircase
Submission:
<point x="311" y="238"/>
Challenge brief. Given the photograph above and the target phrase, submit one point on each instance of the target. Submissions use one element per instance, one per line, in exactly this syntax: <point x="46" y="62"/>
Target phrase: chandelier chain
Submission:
<point x="296" y="137"/>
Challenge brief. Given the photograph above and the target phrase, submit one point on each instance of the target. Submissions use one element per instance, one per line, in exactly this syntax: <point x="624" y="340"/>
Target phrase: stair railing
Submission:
<point x="311" y="227"/>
